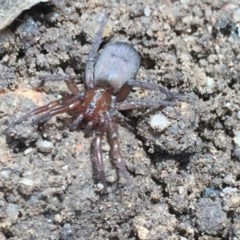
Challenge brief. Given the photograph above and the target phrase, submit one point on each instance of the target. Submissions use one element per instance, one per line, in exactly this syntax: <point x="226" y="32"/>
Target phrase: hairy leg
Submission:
<point x="69" y="80"/>
<point x="156" y="87"/>
<point x="115" y="151"/>
<point x="135" y="104"/>
<point x="76" y="121"/>
<point x="55" y="111"/>
<point x="89" y="70"/>
<point x="97" y="159"/>
<point x="52" y="109"/>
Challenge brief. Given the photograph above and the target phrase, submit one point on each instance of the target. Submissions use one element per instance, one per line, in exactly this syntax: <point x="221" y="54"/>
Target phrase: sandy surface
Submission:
<point x="185" y="173"/>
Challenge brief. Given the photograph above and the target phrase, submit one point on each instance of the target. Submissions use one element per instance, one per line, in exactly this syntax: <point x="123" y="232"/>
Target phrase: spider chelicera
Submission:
<point x="109" y="76"/>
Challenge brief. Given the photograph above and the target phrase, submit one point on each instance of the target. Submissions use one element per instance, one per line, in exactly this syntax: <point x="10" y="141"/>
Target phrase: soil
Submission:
<point x="184" y="170"/>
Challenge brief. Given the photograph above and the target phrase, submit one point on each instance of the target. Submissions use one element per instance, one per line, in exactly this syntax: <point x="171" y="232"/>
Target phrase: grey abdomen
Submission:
<point x="117" y="63"/>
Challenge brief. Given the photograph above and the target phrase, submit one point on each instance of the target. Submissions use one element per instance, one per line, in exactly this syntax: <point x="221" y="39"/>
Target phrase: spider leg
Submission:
<point x="69" y="80"/>
<point x="135" y="104"/>
<point x="51" y="109"/>
<point x="76" y="122"/>
<point x="97" y="159"/>
<point x="57" y="110"/>
<point x="115" y="152"/>
<point x="89" y="70"/>
<point x="39" y="110"/>
<point x="88" y="129"/>
<point x="156" y="87"/>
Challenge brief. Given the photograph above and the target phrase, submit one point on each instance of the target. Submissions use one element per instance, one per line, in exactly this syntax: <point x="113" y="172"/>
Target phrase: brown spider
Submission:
<point x="109" y="77"/>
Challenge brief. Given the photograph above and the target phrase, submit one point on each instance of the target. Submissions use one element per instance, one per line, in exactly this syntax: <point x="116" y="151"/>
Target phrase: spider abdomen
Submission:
<point x="117" y="63"/>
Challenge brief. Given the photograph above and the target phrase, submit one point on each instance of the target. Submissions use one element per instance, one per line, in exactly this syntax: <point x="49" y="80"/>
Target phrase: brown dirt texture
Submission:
<point x="183" y="161"/>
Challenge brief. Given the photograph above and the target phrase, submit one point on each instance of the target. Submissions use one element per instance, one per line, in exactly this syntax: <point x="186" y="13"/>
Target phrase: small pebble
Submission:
<point x="111" y="178"/>
<point x="236" y="140"/>
<point x="185" y="2"/>
<point x="28" y="151"/>
<point x="27" y="182"/>
<point x="229" y="179"/>
<point x="100" y="187"/>
<point x="238" y="115"/>
<point x="236" y="15"/>
<point x="237" y="137"/>
<point x="141" y="231"/>
<point x="159" y="122"/>
<point x="211" y="193"/>
<point x="6" y="173"/>
<point x="12" y="211"/>
<point x="66" y="232"/>
<point x="58" y="218"/>
<point x="147" y="11"/>
<point x="44" y="146"/>
<point x="210" y="85"/>
<point x="228" y="191"/>
<point x="155" y="197"/>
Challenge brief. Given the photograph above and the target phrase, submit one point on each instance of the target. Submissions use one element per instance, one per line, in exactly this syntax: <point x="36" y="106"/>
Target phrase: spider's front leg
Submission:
<point x="89" y="70"/>
<point x="69" y="80"/>
<point x="52" y="109"/>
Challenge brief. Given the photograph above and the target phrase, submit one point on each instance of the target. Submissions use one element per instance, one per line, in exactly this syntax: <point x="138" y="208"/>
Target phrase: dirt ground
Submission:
<point x="184" y="169"/>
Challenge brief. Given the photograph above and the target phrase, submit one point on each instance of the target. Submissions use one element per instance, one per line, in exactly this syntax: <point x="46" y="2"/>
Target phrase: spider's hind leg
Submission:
<point x="97" y="160"/>
<point x="115" y="151"/>
<point x="155" y="87"/>
<point x="138" y="104"/>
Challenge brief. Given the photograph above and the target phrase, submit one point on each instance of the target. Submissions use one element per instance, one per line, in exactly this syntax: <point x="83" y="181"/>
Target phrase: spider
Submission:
<point x="109" y="76"/>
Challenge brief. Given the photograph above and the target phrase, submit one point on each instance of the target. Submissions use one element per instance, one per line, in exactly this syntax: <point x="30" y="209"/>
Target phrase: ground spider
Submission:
<point x="109" y="77"/>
